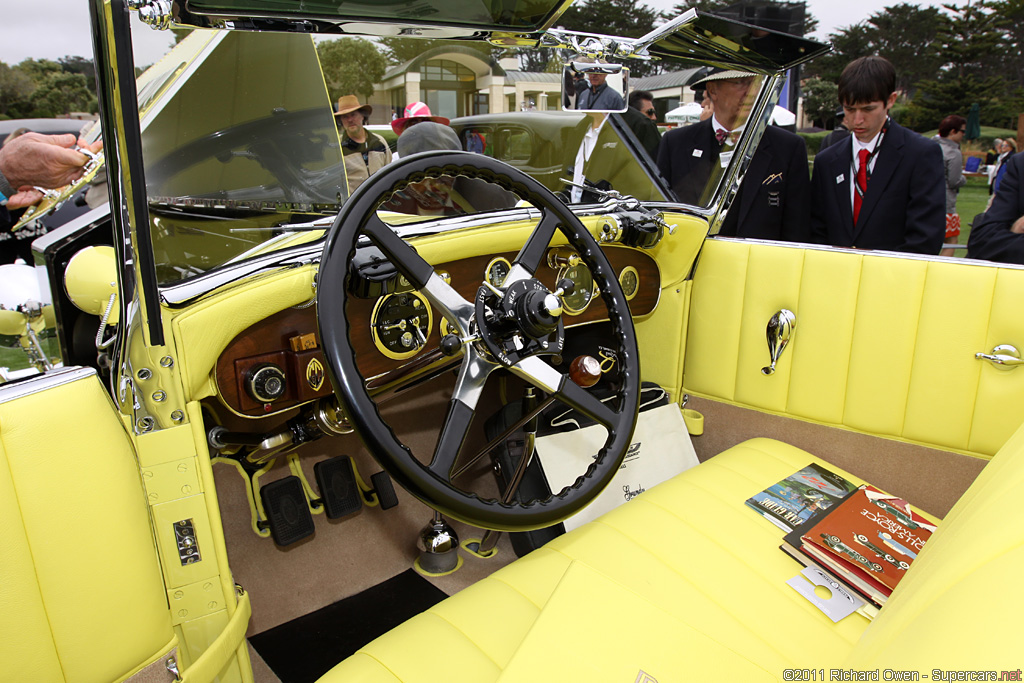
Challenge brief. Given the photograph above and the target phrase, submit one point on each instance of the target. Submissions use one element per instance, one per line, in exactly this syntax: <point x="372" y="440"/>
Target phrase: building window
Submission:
<point x="446" y="71"/>
<point x="481" y="103"/>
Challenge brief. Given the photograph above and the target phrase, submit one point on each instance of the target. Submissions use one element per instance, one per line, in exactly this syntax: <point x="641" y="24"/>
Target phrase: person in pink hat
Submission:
<point x="365" y="152"/>
<point x="415" y="113"/>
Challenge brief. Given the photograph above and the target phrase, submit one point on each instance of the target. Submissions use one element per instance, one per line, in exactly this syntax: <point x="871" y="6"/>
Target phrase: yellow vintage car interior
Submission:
<point x="684" y="578"/>
<point x="688" y="584"/>
<point x="133" y="547"/>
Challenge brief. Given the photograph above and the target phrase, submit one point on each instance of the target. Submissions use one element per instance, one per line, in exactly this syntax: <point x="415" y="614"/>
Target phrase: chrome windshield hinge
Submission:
<point x="156" y="13"/>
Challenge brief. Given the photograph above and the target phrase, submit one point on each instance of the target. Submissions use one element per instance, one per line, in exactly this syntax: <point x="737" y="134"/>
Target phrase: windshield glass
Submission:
<point x="246" y="144"/>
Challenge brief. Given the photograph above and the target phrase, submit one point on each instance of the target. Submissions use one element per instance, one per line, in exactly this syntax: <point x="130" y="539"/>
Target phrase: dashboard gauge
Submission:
<point x="497" y="271"/>
<point x="629" y="279"/>
<point x="583" y="292"/>
<point x="400" y="324"/>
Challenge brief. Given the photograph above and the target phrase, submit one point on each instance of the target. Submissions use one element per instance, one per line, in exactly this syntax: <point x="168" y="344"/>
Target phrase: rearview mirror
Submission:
<point x="588" y="86"/>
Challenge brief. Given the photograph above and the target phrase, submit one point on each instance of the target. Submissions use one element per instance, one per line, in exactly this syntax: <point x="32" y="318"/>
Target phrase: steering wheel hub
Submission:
<point x="519" y="324"/>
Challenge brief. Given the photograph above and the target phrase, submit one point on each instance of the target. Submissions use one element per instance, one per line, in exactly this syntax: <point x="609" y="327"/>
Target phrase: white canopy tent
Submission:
<point x="688" y="113"/>
<point x="782" y="117"/>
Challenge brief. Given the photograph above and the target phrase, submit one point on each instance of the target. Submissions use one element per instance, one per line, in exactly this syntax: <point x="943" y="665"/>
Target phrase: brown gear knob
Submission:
<point x="585" y="371"/>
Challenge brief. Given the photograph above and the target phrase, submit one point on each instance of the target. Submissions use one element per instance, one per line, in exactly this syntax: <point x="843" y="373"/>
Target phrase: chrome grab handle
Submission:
<point x="1003" y="357"/>
<point x="779" y="331"/>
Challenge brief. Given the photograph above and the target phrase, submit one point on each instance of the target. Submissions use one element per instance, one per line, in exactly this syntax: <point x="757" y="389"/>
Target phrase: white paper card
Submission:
<point x="660" y="449"/>
<point x="842" y="604"/>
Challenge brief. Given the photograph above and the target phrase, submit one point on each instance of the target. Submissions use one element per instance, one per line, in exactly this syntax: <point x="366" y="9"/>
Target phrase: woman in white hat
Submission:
<point x="365" y="152"/>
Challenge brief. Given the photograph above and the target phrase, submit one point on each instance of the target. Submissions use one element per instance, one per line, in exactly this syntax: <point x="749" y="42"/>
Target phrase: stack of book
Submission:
<point x="861" y="536"/>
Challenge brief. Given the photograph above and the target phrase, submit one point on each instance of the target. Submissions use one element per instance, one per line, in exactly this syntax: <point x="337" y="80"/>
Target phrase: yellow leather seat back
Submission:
<point x="959" y="607"/>
<point x="82" y="598"/>
<point x="883" y="345"/>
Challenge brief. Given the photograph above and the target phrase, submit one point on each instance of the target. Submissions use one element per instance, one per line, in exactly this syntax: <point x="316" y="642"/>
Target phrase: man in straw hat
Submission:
<point x="773" y="202"/>
<point x="365" y="152"/>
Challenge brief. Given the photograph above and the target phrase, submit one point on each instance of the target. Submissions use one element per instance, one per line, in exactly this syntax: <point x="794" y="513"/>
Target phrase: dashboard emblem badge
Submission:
<point x="315" y="374"/>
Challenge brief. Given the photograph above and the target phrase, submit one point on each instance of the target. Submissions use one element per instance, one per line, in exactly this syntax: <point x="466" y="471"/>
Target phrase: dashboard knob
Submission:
<point x="266" y="383"/>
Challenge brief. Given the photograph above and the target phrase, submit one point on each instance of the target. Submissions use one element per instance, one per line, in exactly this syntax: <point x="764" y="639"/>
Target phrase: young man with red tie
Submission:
<point x="883" y="187"/>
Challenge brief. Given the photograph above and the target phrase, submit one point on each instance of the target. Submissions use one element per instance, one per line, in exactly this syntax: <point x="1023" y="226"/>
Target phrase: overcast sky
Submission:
<point x="52" y="29"/>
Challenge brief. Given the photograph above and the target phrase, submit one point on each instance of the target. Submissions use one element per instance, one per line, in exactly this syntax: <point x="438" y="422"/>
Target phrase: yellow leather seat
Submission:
<point x="687" y="583"/>
<point x="82" y="597"/>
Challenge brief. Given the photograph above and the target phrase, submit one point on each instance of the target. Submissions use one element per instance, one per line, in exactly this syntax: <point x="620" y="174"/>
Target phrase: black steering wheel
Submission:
<point x="514" y="328"/>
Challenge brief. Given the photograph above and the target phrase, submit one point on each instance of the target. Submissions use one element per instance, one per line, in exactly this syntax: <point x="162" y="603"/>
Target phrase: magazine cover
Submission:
<point x="792" y="501"/>
<point x="874" y="534"/>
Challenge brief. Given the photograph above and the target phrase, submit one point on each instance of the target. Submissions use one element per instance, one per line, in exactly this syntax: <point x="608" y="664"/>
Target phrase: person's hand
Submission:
<point x="1018" y="226"/>
<point x="48" y="161"/>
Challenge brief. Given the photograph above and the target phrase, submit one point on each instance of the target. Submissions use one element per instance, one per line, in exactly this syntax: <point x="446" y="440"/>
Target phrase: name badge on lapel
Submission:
<point x="698" y="153"/>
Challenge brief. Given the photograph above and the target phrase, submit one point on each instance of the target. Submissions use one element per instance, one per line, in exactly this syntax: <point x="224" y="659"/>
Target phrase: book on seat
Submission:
<point x="867" y="541"/>
<point x="801" y="496"/>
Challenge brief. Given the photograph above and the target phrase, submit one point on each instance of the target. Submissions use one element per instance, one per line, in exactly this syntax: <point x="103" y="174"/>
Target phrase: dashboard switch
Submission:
<point x="266" y="383"/>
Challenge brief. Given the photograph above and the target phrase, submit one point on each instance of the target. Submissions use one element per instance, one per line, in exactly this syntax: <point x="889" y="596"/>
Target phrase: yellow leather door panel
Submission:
<point x="883" y="344"/>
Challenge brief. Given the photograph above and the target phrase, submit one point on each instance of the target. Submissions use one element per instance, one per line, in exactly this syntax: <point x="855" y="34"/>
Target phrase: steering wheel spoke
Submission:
<point x="531" y="256"/>
<point x="401" y="253"/>
<point x="468" y="388"/>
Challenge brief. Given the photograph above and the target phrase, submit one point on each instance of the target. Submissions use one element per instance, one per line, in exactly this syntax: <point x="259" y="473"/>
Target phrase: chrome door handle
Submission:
<point x="1003" y="357"/>
<point x="780" y="328"/>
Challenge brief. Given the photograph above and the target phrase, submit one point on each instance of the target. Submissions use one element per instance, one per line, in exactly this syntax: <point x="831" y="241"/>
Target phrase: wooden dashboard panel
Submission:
<point x="284" y="338"/>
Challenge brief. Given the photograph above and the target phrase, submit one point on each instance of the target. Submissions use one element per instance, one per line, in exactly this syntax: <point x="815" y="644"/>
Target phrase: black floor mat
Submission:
<point x="304" y="649"/>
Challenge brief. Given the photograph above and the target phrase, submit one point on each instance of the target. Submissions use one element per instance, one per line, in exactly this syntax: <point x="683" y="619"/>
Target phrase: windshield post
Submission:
<point x="119" y="118"/>
<point x="754" y="129"/>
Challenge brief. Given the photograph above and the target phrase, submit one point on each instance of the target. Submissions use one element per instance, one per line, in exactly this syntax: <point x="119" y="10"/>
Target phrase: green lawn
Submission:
<point x="969" y="203"/>
<point x="15" y="359"/>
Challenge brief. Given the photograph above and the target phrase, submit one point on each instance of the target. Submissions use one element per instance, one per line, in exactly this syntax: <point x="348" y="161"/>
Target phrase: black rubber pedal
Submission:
<point x="284" y="501"/>
<point x="384" y="489"/>
<point x="339" y="491"/>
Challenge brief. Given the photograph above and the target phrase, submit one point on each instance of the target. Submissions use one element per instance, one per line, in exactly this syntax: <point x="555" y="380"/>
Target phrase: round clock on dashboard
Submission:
<point x="400" y="324"/>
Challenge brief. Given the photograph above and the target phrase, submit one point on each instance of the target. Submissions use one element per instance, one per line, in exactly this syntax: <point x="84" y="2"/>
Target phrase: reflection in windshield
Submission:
<point x="247" y="144"/>
<point x="555" y="147"/>
<point x="693" y="158"/>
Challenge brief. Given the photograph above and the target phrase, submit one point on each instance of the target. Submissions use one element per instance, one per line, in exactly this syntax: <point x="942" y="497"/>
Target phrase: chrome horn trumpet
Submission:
<point x="780" y="330"/>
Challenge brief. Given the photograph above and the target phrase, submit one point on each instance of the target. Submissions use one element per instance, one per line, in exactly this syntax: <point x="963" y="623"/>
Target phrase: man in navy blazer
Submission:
<point x="903" y="206"/>
<point x="773" y="201"/>
<point x="998" y="234"/>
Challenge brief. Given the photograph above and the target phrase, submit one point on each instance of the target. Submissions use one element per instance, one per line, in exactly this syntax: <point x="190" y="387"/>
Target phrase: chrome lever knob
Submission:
<point x="1004" y="357"/>
<point x="779" y="331"/>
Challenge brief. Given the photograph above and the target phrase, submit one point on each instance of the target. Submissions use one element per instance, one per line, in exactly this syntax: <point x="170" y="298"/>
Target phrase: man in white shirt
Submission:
<point x="883" y="187"/>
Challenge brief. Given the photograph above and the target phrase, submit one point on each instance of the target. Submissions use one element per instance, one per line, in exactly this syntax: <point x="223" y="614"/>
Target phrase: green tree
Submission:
<point x="732" y="9"/>
<point x="1012" y="50"/>
<point x="972" y="72"/>
<point x="15" y="88"/>
<point x="821" y="100"/>
<point x="909" y="37"/>
<point x="848" y="44"/>
<point x="60" y="94"/>
<point x="351" y="66"/>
